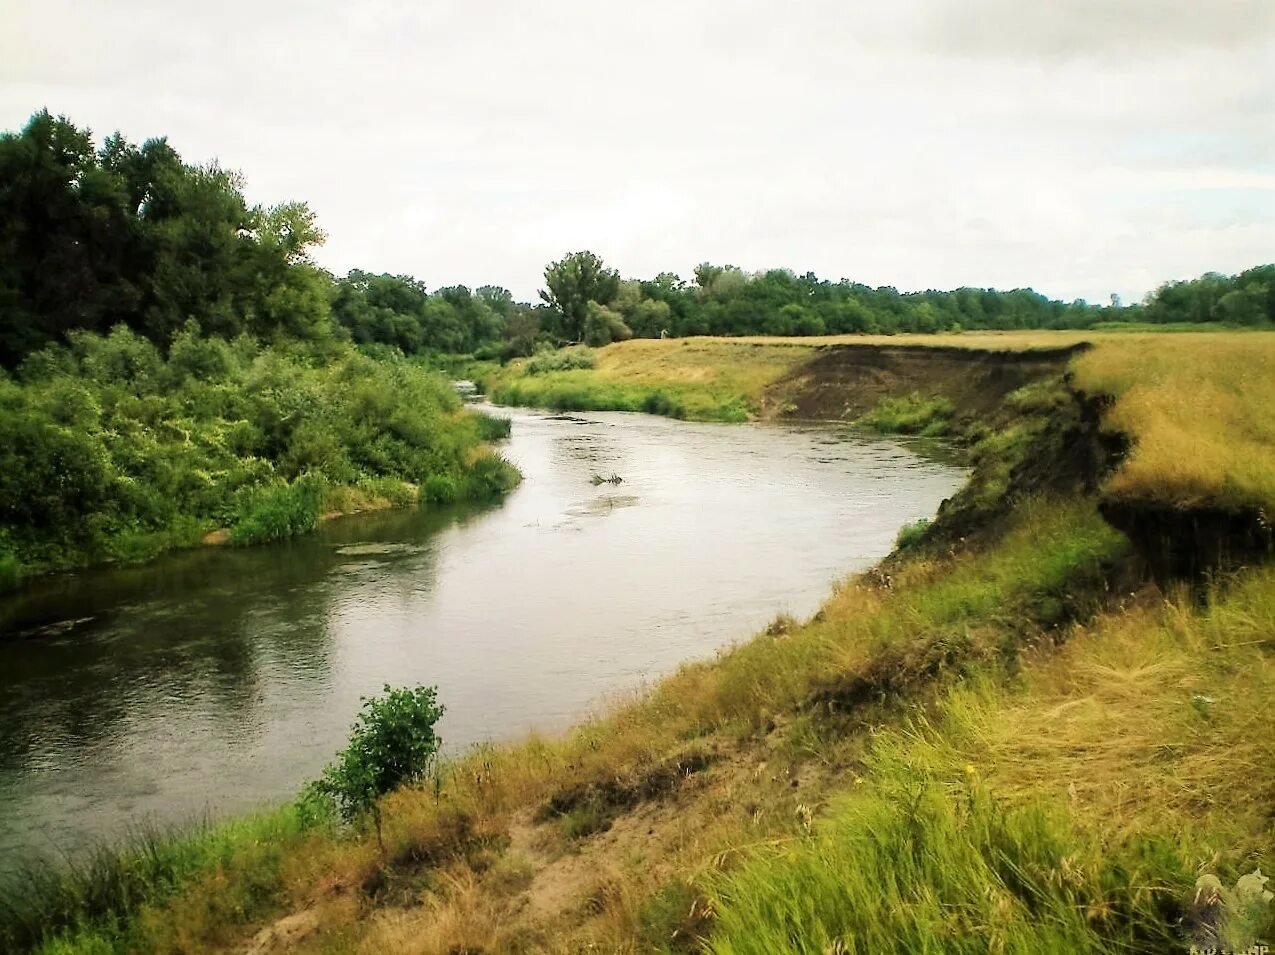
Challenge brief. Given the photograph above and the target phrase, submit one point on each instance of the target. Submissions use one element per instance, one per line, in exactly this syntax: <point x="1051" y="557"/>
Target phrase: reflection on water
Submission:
<point x="216" y="680"/>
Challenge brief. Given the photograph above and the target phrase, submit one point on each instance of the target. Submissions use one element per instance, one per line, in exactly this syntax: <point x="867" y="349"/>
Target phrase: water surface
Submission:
<point x="217" y="680"/>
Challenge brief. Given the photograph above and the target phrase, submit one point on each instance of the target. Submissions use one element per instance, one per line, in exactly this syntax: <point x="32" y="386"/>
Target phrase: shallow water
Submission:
<point x="217" y="680"/>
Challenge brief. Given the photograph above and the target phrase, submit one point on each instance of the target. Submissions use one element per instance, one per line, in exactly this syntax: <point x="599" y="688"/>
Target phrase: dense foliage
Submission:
<point x="1244" y="299"/>
<point x="109" y="450"/>
<point x="398" y="310"/>
<point x="91" y="238"/>
<point x="392" y="743"/>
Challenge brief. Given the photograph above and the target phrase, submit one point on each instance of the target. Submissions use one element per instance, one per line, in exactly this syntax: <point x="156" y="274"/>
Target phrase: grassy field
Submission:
<point x="1005" y="740"/>
<point x="700" y="379"/>
<point x="1199" y="408"/>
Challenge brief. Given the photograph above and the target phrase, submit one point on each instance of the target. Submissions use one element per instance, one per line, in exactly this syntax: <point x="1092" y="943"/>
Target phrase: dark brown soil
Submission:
<point x="845" y="381"/>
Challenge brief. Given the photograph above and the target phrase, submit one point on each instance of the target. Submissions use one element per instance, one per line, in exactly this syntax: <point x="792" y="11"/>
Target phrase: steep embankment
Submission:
<point x="846" y="381"/>
<point x="1002" y="739"/>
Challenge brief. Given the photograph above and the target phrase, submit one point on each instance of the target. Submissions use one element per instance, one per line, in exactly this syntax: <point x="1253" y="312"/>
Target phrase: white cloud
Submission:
<point x="924" y="144"/>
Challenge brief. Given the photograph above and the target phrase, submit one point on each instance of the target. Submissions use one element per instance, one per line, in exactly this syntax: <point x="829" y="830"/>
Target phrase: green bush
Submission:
<point x="912" y="414"/>
<point x="658" y="402"/>
<point x="277" y="512"/>
<point x="440" y="489"/>
<point x="911" y="534"/>
<point x="393" y="742"/>
<point x="564" y="359"/>
<point x="10" y="569"/>
<point x="110" y="452"/>
<point x="490" y="476"/>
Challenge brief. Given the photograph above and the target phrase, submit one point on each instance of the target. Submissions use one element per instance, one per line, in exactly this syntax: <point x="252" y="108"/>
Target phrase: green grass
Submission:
<point x="277" y="512"/>
<point x="911" y="534"/>
<point x="925" y="864"/>
<point x="695" y="379"/>
<point x="90" y="903"/>
<point x="912" y="414"/>
<point x="1077" y="807"/>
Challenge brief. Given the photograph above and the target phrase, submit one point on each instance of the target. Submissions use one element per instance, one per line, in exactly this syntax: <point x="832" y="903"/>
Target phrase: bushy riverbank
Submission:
<point x="111" y="451"/>
<point x="1006" y="737"/>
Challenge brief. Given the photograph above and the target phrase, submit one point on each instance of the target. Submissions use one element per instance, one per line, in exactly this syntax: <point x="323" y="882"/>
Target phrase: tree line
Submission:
<point x="94" y="237"/>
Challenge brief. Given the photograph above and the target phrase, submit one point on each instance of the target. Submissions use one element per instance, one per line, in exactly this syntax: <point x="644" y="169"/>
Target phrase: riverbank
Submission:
<point x="114" y="452"/>
<point x="1030" y="729"/>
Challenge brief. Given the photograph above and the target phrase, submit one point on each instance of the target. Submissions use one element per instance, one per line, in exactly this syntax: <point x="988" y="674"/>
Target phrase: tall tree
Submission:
<point x="573" y="282"/>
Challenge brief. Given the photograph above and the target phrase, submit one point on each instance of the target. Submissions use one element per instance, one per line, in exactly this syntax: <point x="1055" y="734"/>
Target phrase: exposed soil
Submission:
<point x="845" y="381"/>
<point x="1191" y="543"/>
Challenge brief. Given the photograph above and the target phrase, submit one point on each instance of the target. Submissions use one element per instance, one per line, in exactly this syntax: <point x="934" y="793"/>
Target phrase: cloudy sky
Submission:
<point x="1083" y="147"/>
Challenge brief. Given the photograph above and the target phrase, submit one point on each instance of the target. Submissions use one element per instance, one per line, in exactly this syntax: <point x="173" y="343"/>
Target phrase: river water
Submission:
<point x="217" y="680"/>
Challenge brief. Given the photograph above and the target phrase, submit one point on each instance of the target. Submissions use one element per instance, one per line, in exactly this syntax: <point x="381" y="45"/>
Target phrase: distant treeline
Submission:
<point x="95" y="237"/>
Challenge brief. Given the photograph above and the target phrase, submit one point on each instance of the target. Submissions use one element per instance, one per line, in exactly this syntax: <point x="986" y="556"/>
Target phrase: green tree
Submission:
<point x="393" y="742"/>
<point x="572" y="283"/>
<point x="604" y="326"/>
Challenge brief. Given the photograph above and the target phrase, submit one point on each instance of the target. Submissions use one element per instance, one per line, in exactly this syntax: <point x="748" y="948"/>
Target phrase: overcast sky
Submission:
<point x="1084" y="148"/>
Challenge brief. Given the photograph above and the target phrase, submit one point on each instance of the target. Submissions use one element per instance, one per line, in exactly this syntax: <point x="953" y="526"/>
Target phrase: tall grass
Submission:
<point x="923" y="865"/>
<point x="911" y="414"/>
<point x="277" y="512"/>
<point x="1198" y="408"/>
<point x="1073" y="809"/>
<point x="87" y="903"/>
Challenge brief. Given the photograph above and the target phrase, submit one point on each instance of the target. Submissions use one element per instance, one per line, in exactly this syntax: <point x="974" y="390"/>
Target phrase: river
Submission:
<point x="217" y="680"/>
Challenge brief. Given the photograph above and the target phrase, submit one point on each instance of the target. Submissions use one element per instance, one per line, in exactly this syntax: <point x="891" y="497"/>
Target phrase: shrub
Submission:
<point x="279" y="511"/>
<point x="392" y="743"/>
<point x="440" y="489"/>
<point x="912" y="414"/>
<point x="10" y="569"/>
<point x="565" y="359"/>
<point x="110" y="452"/>
<point x="911" y="534"/>
<point x="490" y="476"/>
<point x="658" y="402"/>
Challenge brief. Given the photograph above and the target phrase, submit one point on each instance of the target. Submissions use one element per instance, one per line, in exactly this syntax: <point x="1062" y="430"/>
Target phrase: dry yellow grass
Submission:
<point x="1200" y="409"/>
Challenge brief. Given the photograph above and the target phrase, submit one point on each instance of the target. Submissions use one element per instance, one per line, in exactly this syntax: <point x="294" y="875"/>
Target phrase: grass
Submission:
<point x="911" y="534"/>
<point x="1199" y="410"/>
<point x="926" y="865"/>
<point x="91" y="903"/>
<point x="1004" y="742"/>
<point x="1070" y="810"/>
<point x="698" y="379"/>
<point x="911" y="414"/>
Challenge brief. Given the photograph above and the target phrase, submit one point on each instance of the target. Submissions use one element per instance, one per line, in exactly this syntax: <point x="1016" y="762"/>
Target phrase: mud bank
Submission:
<point x="845" y="381"/>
